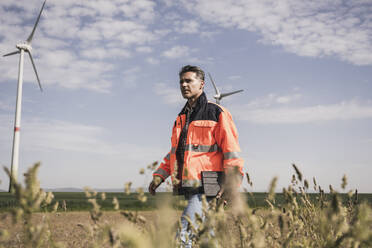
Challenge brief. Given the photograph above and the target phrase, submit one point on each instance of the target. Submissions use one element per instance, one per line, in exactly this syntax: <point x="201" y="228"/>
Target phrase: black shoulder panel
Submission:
<point x="209" y="111"/>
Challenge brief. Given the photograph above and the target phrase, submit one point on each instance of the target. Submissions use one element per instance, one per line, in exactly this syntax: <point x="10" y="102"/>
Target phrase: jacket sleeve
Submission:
<point x="164" y="168"/>
<point x="227" y="140"/>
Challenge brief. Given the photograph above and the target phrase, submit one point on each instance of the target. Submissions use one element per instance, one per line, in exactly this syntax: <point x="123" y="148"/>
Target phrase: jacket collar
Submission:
<point x="200" y="102"/>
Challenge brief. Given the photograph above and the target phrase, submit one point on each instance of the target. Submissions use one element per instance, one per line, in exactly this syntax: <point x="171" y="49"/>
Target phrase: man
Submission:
<point x="204" y="138"/>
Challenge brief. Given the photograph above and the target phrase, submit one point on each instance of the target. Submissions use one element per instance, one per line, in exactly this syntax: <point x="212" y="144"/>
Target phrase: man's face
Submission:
<point x="191" y="86"/>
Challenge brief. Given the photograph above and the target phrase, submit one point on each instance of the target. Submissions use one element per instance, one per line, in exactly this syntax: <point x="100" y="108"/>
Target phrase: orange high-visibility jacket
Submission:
<point x="211" y="144"/>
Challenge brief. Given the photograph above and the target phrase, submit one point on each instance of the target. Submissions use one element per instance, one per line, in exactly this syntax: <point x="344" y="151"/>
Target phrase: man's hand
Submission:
<point x="229" y="189"/>
<point x="219" y="195"/>
<point x="155" y="183"/>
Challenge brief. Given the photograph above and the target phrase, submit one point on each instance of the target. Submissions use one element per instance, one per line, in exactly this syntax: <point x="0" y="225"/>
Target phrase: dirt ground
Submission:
<point x="66" y="227"/>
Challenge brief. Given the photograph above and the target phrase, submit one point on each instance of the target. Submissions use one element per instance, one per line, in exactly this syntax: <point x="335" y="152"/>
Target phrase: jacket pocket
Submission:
<point x="203" y="132"/>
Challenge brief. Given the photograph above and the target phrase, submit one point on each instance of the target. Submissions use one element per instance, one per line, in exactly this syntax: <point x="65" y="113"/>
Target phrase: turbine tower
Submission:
<point x="220" y="95"/>
<point x="22" y="48"/>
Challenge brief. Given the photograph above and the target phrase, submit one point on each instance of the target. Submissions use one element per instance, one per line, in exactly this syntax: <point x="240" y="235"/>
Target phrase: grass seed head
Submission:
<point x="293" y="181"/>
<point x="55" y="206"/>
<point x="350" y="193"/>
<point x="248" y="179"/>
<point x="132" y="237"/>
<point x="87" y="191"/>
<point x="127" y="188"/>
<point x="344" y="182"/>
<point x="157" y="180"/>
<point x="306" y="184"/>
<point x="271" y="196"/>
<point x="315" y="185"/>
<point x="141" y="195"/>
<point x="153" y="166"/>
<point x="48" y="199"/>
<point x="336" y="205"/>
<point x="331" y="189"/>
<point x="64" y="205"/>
<point x="115" y="202"/>
<point x="103" y="196"/>
<point x="298" y="172"/>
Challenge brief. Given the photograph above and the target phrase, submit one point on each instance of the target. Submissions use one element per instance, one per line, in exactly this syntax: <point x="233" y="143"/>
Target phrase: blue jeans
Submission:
<point x="194" y="206"/>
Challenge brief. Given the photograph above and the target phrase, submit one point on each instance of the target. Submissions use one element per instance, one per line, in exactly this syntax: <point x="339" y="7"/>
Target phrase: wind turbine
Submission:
<point x="220" y="95"/>
<point x="22" y="48"/>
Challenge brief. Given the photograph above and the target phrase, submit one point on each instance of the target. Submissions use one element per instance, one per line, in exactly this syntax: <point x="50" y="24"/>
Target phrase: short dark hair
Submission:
<point x="190" y="68"/>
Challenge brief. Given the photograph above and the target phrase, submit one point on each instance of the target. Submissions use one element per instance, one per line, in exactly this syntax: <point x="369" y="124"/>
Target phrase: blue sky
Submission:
<point x="110" y="75"/>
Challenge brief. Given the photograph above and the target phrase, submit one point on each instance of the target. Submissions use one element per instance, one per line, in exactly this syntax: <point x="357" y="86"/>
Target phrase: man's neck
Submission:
<point x="192" y="102"/>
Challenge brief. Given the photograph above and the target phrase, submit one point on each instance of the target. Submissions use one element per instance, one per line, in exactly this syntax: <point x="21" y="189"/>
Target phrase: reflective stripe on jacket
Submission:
<point x="211" y="144"/>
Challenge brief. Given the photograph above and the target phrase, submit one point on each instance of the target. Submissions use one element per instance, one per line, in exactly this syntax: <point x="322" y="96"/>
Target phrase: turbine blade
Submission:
<point x="33" y="65"/>
<point x="214" y="85"/>
<point x="29" y="39"/>
<point x="230" y="93"/>
<point x="12" y="53"/>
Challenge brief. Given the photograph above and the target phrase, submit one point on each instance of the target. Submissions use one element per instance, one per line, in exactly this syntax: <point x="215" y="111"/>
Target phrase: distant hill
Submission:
<point x="64" y="190"/>
<point x="81" y="190"/>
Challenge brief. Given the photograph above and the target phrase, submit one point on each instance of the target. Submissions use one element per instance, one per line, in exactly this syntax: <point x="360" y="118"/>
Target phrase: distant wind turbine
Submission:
<point x="220" y="95"/>
<point x="22" y="48"/>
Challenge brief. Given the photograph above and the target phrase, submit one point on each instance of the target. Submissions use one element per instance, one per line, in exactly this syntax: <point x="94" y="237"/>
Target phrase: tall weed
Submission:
<point x="302" y="220"/>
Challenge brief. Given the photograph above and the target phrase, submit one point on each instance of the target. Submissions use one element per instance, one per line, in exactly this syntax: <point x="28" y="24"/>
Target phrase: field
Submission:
<point x="33" y="218"/>
<point x="67" y="227"/>
<point x="77" y="201"/>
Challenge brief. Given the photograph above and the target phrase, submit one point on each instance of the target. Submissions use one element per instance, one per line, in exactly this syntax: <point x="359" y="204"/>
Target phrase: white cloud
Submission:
<point x="348" y="110"/>
<point x="102" y="7"/>
<point x="55" y="135"/>
<point x="152" y="61"/>
<point x="272" y="99"/>
<point x="129" y="77"/>
<point x="177" y="52"/>
<point x="188" y="27"/>
<point x="208" y="34"/>
<point x="125" y="32"/>
<point x="103" y="53"/>
<point x="61" y="135"/>
<point x="144" y="49"/>
<point x="169" y="3"/>
<point x="70" y="72"/>
<point x="58" y="58"/>
<point x="234" y="77"/>
<point x="81" y="11"/>
<point x="288" y="98"/>
<point x="72" y="148"/>
<point x="58" y="28"/>
<point x="316" y="28"/>
<point x="169" y="95"/>
<point x="75" y="42"/>
<point x="46" y="44"/>
<point x="140" y="9"/>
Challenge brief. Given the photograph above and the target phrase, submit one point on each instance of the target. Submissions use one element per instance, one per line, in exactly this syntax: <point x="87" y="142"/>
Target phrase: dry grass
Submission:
<point x="299" y="222"/>
<point x="66" y="227"/>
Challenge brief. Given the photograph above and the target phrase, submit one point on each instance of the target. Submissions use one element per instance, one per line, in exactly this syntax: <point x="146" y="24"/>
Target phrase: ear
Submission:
<point x="202" y="85"/>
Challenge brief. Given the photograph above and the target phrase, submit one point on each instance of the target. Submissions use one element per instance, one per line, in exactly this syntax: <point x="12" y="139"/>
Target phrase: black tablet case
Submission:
<point x="211" y="182"/>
